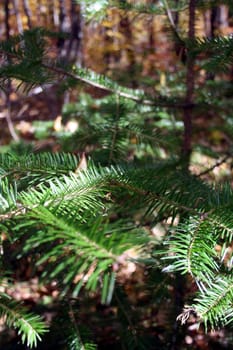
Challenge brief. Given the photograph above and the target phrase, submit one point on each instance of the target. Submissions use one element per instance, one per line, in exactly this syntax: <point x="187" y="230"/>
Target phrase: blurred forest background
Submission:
<point x="132" y="45"/>
<point x="133" y="48"/>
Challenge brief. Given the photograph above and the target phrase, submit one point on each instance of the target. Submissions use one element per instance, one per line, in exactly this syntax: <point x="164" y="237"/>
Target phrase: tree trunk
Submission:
<point x="7" y="17"/>
<point x="27" y="13"/>
<point x="190" y="81"/>
<point x="62" y="27"/>
<point x="74" y="44"/>
<point x="38" y="12"/>
<point x="18" y="16"/>
<point x="51" y="7"/>
<point x="125" y="28"/>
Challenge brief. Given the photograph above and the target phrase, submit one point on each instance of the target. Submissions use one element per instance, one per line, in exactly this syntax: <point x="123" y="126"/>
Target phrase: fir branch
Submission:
<point x="192" y="251"/>
<point x="218" y="51"/>
<point x="73" y="251"/>
<point x="29" y="326"/>
<point x="30" y="65"/>
<point x="214" y="306"/>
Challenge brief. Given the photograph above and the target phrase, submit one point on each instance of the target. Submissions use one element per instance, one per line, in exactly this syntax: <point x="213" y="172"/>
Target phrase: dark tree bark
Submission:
<point x="71" y="24"/>
<point x="176" y="15"/>
<point x="215" y="19"/>
<point x="180" y="282"/>
<point x="8" y="83"/>
<point x="74" y="44"/>
<point x="190" y="81"/>
<point x="221" y="20"/>
<point x="62" y="27"/>
<point x="7" y="18"/>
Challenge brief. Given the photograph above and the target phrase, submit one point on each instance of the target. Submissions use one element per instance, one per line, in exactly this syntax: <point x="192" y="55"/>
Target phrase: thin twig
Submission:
<point x="171" y="20"/>
<point x="10" y="124"/>
<point x="217" y="164"/>
<point x="169" y="15"/>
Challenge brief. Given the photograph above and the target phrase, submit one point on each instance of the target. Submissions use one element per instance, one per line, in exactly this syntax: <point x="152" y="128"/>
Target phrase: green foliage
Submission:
<point x="23" y="58"/>
<point x="65" y="220"/>
<point x="113" y="128"/>
<point x="29" y="326"/>
<point x="218" y="51"/>
<point x="75" y="336"/>
<point x="81" y="225"/>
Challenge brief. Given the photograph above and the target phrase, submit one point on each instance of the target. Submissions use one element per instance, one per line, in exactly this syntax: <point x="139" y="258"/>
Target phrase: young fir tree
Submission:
<point x="80" y="222"/>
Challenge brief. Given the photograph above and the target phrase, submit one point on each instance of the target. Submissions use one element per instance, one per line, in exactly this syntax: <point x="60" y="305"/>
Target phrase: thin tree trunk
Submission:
<point x="56" y="15"/>
<point x="126" y="30"/>
<point x="190" y="81"/>
<point x="176" y="15"/>
<point x="74" y="44"/>
<point x="180" y="281"/>
<point x="38" y="12"/>
<point x="7" y="18"/>
<point x="223" y="16"/>
<point x="219" y="18"/>
<point x="27" y="13"/>
<point x="8" y="84"/>
<point x="62" y="15"/>
<point x="51" y="7"/>
<point x="18" y="15"/>
<point x="207" y="23"/>
<point x="62" y="27"/>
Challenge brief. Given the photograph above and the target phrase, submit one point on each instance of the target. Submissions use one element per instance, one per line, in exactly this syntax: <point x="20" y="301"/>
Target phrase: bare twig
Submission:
<point x="217" y="164"/>
<point x="169" y="15"/>
<point x="10" y="123"/>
